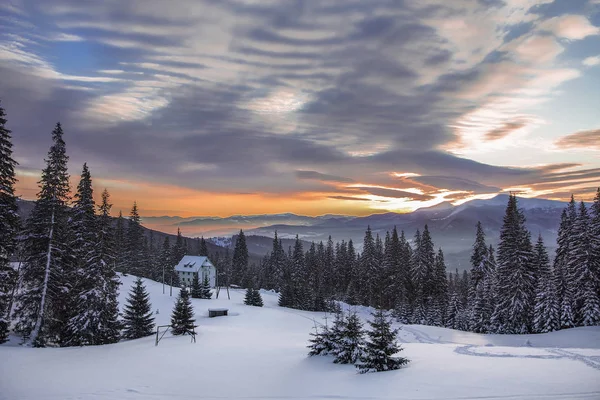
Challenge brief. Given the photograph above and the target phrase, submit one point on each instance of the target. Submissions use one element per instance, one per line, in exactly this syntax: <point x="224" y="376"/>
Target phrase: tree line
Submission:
<point x="514" y="289"/>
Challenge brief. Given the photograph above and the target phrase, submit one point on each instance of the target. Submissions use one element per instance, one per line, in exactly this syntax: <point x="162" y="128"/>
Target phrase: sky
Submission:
<point x="203" y="107"/>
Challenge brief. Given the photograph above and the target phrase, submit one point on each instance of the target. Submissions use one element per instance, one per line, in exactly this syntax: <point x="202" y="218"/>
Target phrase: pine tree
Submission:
<point x="182" y="318"/>
<point x="87" y="297"/>
<point x="134" y="251"/>
<point x="595" y="234"/>
<point x="253" y="298"/>
<point x="478" y="320"/>
<point x="137" y="317"/>
<point x="349" y="342"/>
<point x="440" y="291"/>
<point x="120" y="245"/>
<point x="381" y="347"/>
<point x="239" y="262"/>
<point x="583" y="265"/>
<point x="196" y="288"/>
<point x="546" y="313"/>
<point x="110" y="326"/>
<point x="203" y="249"/>
<point x="257" y="299"/>
<point x="562" y="277"/>
<point x="42" y="302"/>
<point x="516" y="275"/>
<point x="205" y="292"/>
<point x="9" y="224"/>
<point x="320" y="342"/>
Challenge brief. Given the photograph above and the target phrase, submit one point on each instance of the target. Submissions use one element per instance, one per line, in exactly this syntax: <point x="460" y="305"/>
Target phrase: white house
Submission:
<point x="191" y="265"/>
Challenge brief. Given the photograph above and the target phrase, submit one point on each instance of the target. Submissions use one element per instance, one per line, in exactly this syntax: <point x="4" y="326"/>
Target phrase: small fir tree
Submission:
<point x="196" y="289"/>
<point x="320" y="342"/>
<point x="205" y="292"/>
<point x="182" y="319"/>
<point x="257" y="299"/>
<point x="350" y="344"/>
<point x="381" y="347"/>
<point x="137" y="319"/>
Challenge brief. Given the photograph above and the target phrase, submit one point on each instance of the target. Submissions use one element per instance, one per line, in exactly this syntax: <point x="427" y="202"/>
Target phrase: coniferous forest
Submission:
<point x="64" y="292"/>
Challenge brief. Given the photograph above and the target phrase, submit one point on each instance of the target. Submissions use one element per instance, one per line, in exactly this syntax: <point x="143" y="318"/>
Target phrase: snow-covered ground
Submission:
<point x="260" y="353"/>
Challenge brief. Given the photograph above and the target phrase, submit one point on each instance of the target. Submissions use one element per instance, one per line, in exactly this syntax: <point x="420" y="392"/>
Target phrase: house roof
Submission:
<point x="192" y="263"/>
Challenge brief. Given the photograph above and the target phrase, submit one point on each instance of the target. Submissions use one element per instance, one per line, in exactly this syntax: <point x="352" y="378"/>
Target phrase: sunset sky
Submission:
<point x="333" y="106"/>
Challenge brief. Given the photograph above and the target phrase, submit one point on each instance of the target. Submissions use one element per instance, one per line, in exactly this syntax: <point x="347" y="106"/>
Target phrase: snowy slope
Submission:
<point x="260" y="353"/>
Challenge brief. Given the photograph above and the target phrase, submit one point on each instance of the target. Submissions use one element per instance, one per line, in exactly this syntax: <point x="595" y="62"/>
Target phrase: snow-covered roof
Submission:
<point x="192" y="263"/>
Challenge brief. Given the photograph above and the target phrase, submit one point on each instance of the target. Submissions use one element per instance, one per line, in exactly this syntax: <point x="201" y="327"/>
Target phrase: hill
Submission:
<point x="260" y="353"/>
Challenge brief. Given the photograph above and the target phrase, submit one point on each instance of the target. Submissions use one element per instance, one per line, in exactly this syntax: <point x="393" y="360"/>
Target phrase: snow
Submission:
<point x="261" y="353"/>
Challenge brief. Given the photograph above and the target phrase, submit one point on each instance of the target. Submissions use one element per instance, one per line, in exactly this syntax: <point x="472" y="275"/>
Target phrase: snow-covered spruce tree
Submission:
<point x="182" y="318"/>
<point x="205" y="292"/>
<point x="137" y="318"/>
<point x="381" y="347"/>
<point x="562" y="277"/>
<point x="584" y="267"/>
<point x="109" y="330"/>
<point x="249" y="297"/>
<point x="86" y="296"/>
<point x="349" y="342"/>
<point x="120" y="245"/>
<point x="477" y="303"/>
<point x="439" y="304"/>
<point x="546" y="313"/>
<point x="595" y="229"/>
<point x="9" y="224"/>
<point x="134" y="245"/>
<point x="516" y="275"/>
<point x="196" y="288"/>
<point x="320" y="342"/>
<point x="239" y="262"/>
<point x="253" y="298"/>
<point x="41" y="311"/>
<point x="368" y="265"/>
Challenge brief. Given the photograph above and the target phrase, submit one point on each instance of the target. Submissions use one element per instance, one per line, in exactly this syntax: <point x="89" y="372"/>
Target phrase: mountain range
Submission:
<point x="452" y="227"/>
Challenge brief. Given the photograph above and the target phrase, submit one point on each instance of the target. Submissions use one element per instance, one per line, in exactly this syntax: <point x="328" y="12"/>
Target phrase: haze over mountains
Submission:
<point x="452" y="227"/>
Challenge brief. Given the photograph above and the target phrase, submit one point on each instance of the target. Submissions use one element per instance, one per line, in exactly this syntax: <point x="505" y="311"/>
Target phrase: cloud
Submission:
<point x="581" y="140"/>
<point x="505" y="130"/>
<point x="348" y="198"/>
<point x="393" y="193"/>
<point x="591" y="61"/>
<point x="321" y="177"/>
<point x="243" y="96"/>
<point x="574" y="27"/>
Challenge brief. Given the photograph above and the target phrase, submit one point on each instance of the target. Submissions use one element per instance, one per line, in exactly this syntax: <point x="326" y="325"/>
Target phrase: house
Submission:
<point x="191" y="265"/>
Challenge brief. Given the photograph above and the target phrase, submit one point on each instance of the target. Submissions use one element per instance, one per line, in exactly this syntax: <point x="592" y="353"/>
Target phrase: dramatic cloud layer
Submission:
<point x="240" y="106"/>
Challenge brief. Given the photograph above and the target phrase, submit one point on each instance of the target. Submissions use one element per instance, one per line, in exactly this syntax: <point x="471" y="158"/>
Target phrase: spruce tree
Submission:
<point x="203" y="249"/>
<point x="516" y="275"/>
<point x="137" y="318"/>
<point x="134" y="251"/>
<point x="87" y="297"/>
<point x="381" y="347"/>
<point x="196" y="288"/>
<point x="182" y="318"/>
<point x="546" y="313"/>
<point x="478" y="318"/>
<point x="110" y="326"/>
<point x="120" y="243"/>
<point x="563" y="279"/>
<point x="257" y="298"/>
<point x="9" y="224"/>
<point x="205" y="292"/>
<point x="249" y="297"/>
<point x="239" y="262"/>
<point x="42" y="301"/>
<point x="320" y="342"/>
<point x="253" y="298"/>
<point x="349" y="342"/>
<point x="583" y="265"/>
